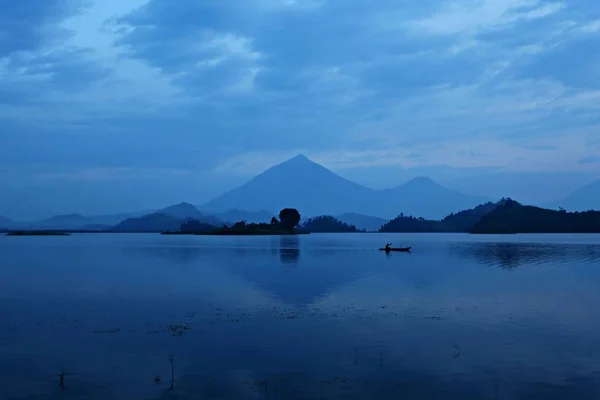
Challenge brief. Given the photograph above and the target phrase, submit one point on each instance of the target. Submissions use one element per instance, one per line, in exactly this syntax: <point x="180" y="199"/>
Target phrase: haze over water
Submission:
<point x="310" y="317"/>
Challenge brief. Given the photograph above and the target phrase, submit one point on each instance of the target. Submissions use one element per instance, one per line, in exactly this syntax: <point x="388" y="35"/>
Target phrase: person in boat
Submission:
<point x="388" y="247"/>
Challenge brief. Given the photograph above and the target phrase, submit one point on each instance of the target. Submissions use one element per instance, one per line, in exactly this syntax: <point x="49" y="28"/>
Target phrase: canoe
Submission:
<point x="403" y="249"/>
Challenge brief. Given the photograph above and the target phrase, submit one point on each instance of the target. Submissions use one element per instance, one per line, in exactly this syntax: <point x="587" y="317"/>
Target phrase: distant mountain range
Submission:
<point x="315" y="190"/>
<point x="363" y="222"/>
<point x="582" y="199"/>
<point x="155" y="222"/>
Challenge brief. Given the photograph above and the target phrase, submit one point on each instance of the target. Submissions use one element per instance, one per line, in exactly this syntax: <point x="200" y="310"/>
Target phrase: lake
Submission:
<point x="119" y="316"/>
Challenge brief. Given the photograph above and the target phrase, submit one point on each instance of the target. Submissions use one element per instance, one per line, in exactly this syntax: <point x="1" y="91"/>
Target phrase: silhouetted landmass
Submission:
<point x="327" y="224"/>
<point x="289" y="220"/>
<point x="513" y="217"/>
<point x="363" y="222"/>
<point x="185" y="211"/>
<point x="405" y="223"/>
<point x="152" y="223"/>
<point x="194" y="226"/>
<point x="37" y="233"/>
<point x="462" y="221"/>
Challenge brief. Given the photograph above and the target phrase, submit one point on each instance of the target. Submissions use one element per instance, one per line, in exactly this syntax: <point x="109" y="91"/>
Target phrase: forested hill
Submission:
<point x="513" y="217"/>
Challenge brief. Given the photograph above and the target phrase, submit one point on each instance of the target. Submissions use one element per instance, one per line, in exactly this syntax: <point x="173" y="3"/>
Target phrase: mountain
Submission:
<point x="157" y="222"/>
<point x="67" y="221"/>
<point x="364" y="222"/>
<point x="462" y="221"/>
<point x="513" y="217"/>
<point x="425" y="198"/>
<point x="78" y="221"/>
<point x="183" y="211"/>
<point x="314" y="190"/>
<point x="7" y="223"/>
<point x="582" y="199"/>
<point x="298" y="183"/>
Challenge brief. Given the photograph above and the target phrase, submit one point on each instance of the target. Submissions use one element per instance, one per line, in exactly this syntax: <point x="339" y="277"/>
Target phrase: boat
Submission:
<point x="401" y="249"/>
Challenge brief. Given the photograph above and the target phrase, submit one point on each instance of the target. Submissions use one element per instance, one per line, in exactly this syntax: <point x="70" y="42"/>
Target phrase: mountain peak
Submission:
<point x="299" y="159"/>
<point x="184" y="204"/>
<point x="421" y="181"/>
<point x="295" y="167"/>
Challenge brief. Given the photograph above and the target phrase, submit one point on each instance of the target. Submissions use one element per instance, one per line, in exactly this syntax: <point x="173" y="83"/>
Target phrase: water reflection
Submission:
<point x="350" y="323"/>
<point x="513" y="255"/>
<point x="289" y="249"/>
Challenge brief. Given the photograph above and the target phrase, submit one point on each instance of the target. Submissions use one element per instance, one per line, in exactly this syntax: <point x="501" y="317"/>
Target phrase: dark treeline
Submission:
<point x="289" y="218"/>
<point x="506" y="216"/>
<point x="462" y="221"/>
<point x="328" y="224"/>
<point x="512" y="217"/>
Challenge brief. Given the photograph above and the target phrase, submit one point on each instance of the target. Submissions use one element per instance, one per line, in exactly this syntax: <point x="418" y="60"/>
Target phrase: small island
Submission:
<point x="289" y="218"/>
<point x="37" y="233"/>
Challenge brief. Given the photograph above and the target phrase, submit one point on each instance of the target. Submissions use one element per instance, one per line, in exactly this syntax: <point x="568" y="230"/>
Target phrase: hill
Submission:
<point x="6" y="223"/>
<point x="304" y="184"/>
<point x="327" y="224"/>
<point x="183" y="211"/>
<point x="77" y="221"/>
<point x="405" y="223"/>
<point x="461" y="221"/>
<point x="513" y="217"/>
<point x="426" y="198"/>
<point x="582" y="199"/>
<point x="157" y="222"/>
<point x="363" y="222"/>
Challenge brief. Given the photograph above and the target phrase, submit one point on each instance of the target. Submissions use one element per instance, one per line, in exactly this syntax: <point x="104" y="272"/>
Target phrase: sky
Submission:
<point x="117" y="105"/>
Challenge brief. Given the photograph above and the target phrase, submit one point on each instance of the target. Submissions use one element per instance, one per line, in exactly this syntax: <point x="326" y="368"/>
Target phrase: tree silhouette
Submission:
<point x="289" y="217"/>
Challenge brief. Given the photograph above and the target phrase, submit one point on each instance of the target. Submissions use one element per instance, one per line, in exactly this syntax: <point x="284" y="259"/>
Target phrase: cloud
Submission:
<point x="473" y="17"/>
<point x="155" y="84"/>
<point x="29" y="26"/>
<point x="533" y="155"/>
<point x="590" y="160"/>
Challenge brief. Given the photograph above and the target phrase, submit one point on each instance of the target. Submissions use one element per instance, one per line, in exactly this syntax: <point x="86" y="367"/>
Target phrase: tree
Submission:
<point x="274" y="221"/>
<point x="239" y="225"/>
<point x="289" y="217"/>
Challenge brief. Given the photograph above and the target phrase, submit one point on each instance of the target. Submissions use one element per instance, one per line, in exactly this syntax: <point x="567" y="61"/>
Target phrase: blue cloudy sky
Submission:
<point x="110" y="105"/>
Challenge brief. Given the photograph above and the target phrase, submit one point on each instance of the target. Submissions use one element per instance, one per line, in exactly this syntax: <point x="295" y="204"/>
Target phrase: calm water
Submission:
<point x="314" y="317"/>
